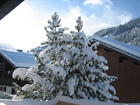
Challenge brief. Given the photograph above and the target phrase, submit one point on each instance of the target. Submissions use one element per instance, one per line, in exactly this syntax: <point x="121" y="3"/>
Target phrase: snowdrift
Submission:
<point x="57" y="100"/>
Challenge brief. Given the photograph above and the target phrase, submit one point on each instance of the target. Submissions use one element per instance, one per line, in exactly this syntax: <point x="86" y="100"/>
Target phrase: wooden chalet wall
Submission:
<point x="6" y="71"/>
<point x="128" y="72"/>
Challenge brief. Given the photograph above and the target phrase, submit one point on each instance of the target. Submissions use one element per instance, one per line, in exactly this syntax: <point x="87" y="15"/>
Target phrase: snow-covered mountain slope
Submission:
<point x="6" y="46"/>
<point x="128" y="33"/>
<point x="38" y="49"/>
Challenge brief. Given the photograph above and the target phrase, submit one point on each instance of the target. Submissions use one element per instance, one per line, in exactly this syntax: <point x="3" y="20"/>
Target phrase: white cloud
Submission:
<point x="95" y="2"/>
<point x="102" y="25"/>
<point x="68" y="20"/>
<point x="93" y="22"/>
<point x="90" y="25"/>
<point x="106" y="3"/>
<point x="124" y="18"/>
<point x="67" y="0"/>
<point x="116" y="17"/>
<point x="93" y="16"/>
<point x="23" y="27"/>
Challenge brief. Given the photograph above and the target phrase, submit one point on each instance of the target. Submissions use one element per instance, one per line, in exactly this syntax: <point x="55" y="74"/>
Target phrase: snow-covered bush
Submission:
<point x="67" y="67"/>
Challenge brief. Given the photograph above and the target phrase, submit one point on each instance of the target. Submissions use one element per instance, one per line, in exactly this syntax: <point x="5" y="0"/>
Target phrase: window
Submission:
<point x="13" y="91"/>
<point x="136" y="63"/>
<point x="10" y="73"/>
<point x="122" y="58"/>
<point x="107" y="50"/>
<point x="3" y="88"/>
<point x="0" y="88"/>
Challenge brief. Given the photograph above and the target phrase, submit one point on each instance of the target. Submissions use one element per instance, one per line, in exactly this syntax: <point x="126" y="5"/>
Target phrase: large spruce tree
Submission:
<point x="68" y="67"/>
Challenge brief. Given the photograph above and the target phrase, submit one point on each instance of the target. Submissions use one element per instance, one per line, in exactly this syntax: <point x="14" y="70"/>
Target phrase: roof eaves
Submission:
<point x="118" y="49"/>
<point x="9" y="60"/>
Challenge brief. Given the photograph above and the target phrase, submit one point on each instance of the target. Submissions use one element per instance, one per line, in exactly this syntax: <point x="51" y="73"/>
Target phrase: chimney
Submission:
<point x="19" y="50"/>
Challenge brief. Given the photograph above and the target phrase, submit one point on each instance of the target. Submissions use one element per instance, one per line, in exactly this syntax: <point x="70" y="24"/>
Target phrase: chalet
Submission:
<point x="9" y="61"/>
<point x="124" y="63"/>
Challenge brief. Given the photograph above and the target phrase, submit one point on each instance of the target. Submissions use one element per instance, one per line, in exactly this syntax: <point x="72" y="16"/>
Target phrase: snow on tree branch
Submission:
<point x="79" y="24"/>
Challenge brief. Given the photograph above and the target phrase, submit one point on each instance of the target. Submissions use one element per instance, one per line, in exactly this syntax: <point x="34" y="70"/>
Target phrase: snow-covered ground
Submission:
<point x="57" y="99"/>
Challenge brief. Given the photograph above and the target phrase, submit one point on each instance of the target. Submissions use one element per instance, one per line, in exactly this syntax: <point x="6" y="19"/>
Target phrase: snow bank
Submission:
<point x="25" y="102"/>
<point x="56" y="100"/>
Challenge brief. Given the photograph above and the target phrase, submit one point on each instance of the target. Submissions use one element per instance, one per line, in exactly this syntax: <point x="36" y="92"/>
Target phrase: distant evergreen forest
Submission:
<point x="128" y="33"/>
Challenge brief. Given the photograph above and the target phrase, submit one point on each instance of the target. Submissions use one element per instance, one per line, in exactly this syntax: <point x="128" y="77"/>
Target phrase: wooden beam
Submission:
<point x="6" y="6"/>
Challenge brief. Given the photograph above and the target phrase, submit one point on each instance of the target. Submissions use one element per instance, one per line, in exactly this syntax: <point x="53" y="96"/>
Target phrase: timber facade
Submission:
<point x="6" y="71"/>
<point x="9" y="61"/>
<point x="123" y="66"/>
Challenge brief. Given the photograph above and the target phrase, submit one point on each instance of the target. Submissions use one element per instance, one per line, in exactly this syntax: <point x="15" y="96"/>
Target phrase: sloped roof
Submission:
<point x="7" y="6"/>
<point x="19" y="59"/>
<point x="127" y="49"/>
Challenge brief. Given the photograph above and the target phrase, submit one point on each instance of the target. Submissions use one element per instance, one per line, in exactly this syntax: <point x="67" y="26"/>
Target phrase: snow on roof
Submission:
<point x="127" y="49"/>
<point x="19" y="59"/>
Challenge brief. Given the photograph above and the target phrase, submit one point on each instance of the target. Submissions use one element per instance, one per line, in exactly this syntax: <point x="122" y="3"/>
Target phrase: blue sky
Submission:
<point x="24" y="26"/>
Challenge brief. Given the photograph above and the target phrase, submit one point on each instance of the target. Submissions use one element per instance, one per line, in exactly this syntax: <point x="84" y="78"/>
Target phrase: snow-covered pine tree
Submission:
<point x="74" y="69"/>
<point x="45" y="80"/>
<point x="88" y="70"/>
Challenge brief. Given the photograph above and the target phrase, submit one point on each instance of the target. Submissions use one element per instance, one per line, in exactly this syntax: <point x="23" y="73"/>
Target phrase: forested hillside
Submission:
<point x="128" y="33"/>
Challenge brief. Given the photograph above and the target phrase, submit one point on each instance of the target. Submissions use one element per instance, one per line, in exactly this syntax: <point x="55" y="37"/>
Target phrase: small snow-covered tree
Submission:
<point x="87" y="77"/>
<point x="68" y="67"/>
<point x="44" y="81"/>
